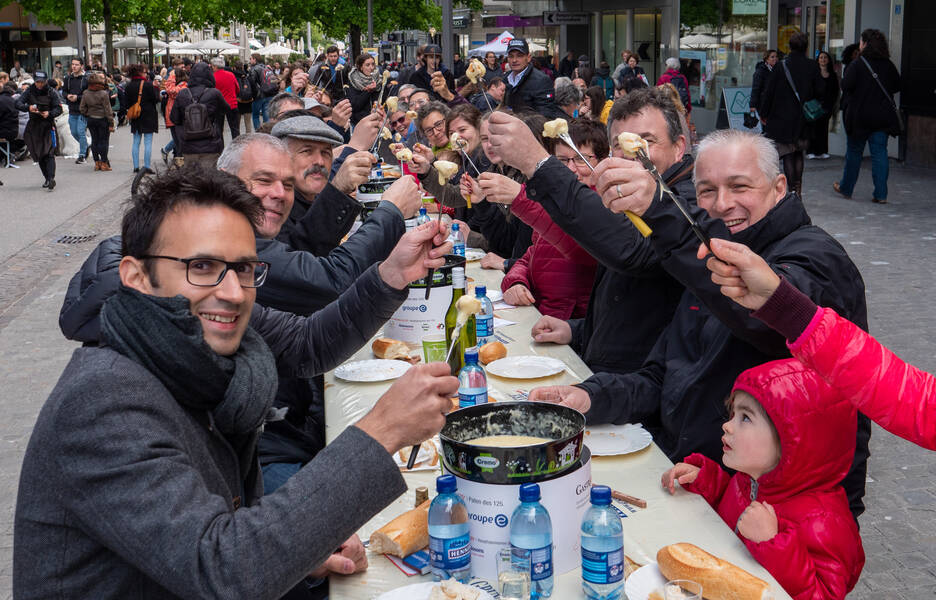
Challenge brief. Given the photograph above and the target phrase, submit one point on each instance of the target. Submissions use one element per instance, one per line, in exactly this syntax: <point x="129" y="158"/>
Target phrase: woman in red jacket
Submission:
<point x="785" y="501"/>
<point x="897" y="396"/>
<point x="555" y="274"/>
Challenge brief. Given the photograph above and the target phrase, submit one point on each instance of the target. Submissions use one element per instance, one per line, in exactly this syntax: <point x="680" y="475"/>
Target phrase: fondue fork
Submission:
<point x="432" y="271"/>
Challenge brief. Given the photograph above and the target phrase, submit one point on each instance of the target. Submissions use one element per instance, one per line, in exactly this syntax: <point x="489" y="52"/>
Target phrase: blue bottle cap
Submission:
<point x="480" y="291"/>
<point x="445" y="484"/>
<point x="454" y="226"/>
<point x="471" y="355"/>
<point x="529" y="492"/>
<point x="422" y="210"/>
<point x="601" y="495"/>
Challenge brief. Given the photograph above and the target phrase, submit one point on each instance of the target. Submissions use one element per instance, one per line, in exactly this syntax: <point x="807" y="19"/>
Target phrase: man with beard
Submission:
<point x="43" y="105"/>
<point x="330" y="74"/>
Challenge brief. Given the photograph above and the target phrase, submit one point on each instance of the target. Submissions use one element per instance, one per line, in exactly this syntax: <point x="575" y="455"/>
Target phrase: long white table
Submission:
<point x="684" y="517"/>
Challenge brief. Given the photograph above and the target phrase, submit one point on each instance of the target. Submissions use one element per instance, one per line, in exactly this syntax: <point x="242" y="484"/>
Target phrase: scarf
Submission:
<point x="360" y="81"/>
<point x="163" y="336"/>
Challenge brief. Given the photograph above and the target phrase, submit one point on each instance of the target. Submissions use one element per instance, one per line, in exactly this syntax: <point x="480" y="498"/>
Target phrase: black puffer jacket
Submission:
<point x="201" y="88"/>
<point x="680" y="391"/>
<point x="533" y="92"/>
<point x="9" y="115"/>
<point x="867" y="109"/>
<point x="421" y="79"/>
<point x="778" y="104"/>
<point x="633" y="298"/>
<point x="758" y="82"/>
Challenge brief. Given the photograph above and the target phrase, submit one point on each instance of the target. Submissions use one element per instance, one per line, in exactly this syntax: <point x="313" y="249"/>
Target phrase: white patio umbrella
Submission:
<point x="64" y="51"/>
<point x="213" y="46"/>
<point x="139" y="43"/>
<point x="276" y="50"/>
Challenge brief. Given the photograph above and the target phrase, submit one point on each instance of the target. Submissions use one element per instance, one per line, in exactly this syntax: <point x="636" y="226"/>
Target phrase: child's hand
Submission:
<point x="758" y="522"/>
<point x="683" y="473"/>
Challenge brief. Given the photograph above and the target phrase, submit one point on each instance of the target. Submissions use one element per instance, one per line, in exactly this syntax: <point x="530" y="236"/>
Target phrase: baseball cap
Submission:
<point x="40" y="76"/>
<point x="518" y="44"/>
<point x="307" y="128"/>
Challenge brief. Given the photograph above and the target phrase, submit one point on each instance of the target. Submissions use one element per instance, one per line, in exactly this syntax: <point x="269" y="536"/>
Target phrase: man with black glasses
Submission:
<point x="141" y="476"/>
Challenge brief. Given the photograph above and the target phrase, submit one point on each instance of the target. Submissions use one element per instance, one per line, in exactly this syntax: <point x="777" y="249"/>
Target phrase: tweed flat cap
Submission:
<point x="307" y="128"/>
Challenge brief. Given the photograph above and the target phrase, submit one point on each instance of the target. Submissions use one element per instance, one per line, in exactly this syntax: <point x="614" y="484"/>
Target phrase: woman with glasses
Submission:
<point x="555" y="274"/>
<point x="431" y="122"/>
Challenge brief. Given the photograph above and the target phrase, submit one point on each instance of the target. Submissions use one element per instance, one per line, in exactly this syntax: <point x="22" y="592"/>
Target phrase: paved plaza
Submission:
<point x="894" y="246"/>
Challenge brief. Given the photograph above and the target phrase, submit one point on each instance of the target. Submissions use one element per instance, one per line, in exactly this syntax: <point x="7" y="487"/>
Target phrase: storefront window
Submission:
<point x="720" y="44"/>
<point x="836" y="28"/>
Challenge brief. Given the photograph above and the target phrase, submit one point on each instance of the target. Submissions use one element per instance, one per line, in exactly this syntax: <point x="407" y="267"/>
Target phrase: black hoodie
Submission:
<point x="201" y="88"/>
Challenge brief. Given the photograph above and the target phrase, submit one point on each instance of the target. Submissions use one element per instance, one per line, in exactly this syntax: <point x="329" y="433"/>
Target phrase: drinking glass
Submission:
<point x="513" y="576"/>
<point x="682" y="589"/>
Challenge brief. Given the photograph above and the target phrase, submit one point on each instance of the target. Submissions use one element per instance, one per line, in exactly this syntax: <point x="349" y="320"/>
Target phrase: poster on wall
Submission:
<point x="692" y="65"/>
<point x="737" y="104"/>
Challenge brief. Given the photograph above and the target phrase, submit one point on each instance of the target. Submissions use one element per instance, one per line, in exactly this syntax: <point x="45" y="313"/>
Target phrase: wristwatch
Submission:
<point x="538" y="165"/>
<point x="506" y="264"/>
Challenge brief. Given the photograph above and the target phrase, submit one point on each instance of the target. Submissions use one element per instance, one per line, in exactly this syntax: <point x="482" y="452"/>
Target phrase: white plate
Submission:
<point x="611" y="440"/>
<point x="473" y="254"/>
<point x="377" y="369"/>
<point x="419" y="591"/>
<point x="526" y="367"/>
<point x="643" y="581"/>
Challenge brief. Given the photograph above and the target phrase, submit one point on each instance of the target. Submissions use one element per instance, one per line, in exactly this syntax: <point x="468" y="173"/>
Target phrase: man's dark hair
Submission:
<point x="639" y="100"/>
<point x="191" y="185"/>
<point x="591" y="133"/>
<point x="276" y="104"/>
<point x="495" y="81"/>
<point x="799" y="42"/>
<point x="418" y="91"/>
<point x="876" y="44"/>
<point x="331" y="49"/>
<point x="633" y="83"/>
<point x="257" y="57"/>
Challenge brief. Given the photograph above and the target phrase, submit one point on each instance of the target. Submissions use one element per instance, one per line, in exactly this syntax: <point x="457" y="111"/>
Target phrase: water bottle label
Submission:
<point x="450" y="554"/>
<point x="539" y="559"/>
<point x="467" y="399"/>
<point x="458" y="250"/>
<point x="603" y="567"/>
<point x="484" y="326"/>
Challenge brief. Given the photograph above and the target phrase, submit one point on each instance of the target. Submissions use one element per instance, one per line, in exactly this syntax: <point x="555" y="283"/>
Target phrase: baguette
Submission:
<point x="492" y="351"/>
<point x="390" y="349"/>
<point x="720" y="579"/>
<point x="405" y="534"/>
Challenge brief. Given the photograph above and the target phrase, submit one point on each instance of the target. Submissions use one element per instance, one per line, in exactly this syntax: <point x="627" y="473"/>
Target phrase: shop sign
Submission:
<point x="749" y="7"/>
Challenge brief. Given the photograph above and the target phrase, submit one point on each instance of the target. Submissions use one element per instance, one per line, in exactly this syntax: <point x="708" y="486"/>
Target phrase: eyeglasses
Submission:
<point x="209" y="272"/>
<point x="398" y="121"/>
<point x="439" y="126"/>
<point x="576" y="159"/>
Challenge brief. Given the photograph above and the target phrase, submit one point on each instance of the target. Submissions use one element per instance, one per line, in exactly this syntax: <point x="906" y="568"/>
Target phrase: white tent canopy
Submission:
<point x="139" y="43"/>
<point x="213" y="46"/>
<point x="64" y="51"/>
<point x="276" y="50"/>
<point x="499" y="46"/>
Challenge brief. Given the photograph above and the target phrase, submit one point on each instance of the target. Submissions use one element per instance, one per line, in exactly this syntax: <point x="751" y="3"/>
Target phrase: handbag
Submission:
<point x="750" y="120"/>
<point x="135" y="109"/>
<point x="890" y="98"/>
<point x="812" y="109"/>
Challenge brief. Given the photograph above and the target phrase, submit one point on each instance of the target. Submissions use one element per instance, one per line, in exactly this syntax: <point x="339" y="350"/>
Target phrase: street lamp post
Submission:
<point x="79" y="33"/>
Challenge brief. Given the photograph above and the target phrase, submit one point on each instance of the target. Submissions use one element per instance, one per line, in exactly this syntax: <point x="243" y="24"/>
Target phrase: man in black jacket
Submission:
<point x="527" y="87"/>
<point x="432" y="63"/>
<point x="633" y="298"/>
<point x="43" y="105"/>
<point x="679" y="392"/>
<point x="201" y="148"/>
<point x="76" y="82"/>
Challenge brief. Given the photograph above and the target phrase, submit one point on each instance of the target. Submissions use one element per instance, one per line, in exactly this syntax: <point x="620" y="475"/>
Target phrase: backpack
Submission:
<point x="244" y="90"/>
<point x="606" y="84"/>
<point x="680" y="84"/>
<point x="269" y="82"/>
<point x="197" y="124"/>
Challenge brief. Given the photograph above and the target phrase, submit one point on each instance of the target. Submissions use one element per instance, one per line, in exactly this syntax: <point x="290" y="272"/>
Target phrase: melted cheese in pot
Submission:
<point x="507" y="441"/>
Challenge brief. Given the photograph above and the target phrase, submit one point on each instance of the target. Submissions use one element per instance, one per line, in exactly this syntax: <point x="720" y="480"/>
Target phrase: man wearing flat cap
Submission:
<point x="528" y="88"/>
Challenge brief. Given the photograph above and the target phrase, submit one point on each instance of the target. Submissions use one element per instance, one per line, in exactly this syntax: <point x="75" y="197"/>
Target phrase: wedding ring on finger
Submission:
<point x="618" y="188"/>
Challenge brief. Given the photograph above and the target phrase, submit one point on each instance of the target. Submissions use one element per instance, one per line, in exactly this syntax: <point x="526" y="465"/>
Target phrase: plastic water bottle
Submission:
<point x="602" y="548"/>
<point x="458" y="240"/>
<point x="422" y="217"/>
<point x="449" y="540"/>
<point x="531" y="540"/>
<point x="484" y="320"/>
<point x="472" y="382"/>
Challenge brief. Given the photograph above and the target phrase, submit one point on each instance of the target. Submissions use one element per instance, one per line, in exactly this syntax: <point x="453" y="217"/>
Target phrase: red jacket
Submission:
<point x="226" y="83"/>
<point x="817" y="552"/>
<point x="557" y="271"/>
<point x="897" y="396"/>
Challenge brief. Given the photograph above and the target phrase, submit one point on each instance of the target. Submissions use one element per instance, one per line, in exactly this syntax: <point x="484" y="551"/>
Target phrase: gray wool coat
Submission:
<point x="125" y="493"/>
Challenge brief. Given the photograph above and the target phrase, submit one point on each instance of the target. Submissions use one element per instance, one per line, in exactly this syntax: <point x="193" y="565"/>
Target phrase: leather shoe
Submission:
<point x="879" y="200"/>
<point x="51" y="184"/>
<point x="838" y="190"/>
<point x="46" y="184"/>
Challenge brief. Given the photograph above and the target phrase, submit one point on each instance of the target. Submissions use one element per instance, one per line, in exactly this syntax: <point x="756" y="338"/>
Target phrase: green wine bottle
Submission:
<point x="467" y="338"/>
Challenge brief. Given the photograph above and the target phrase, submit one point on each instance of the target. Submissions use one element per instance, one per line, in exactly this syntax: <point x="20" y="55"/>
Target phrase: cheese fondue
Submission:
<point x="507" y="441"/>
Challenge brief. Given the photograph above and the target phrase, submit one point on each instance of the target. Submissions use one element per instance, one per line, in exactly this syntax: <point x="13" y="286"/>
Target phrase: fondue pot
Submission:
<point x="562" y="426"/>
